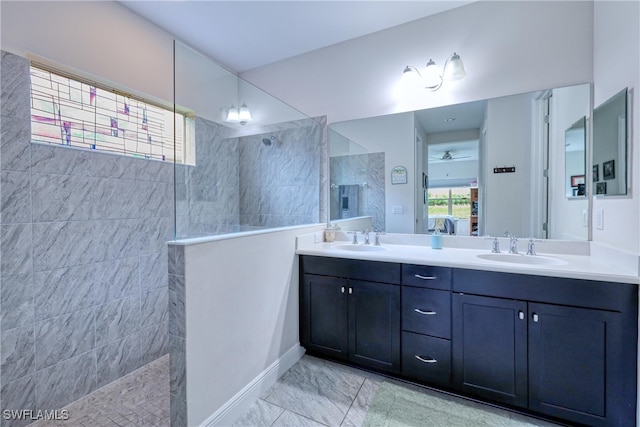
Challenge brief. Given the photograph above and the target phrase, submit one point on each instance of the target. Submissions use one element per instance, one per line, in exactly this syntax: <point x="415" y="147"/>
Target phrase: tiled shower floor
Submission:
<point x="139" y="399"/>
<point x="314" y="392"/>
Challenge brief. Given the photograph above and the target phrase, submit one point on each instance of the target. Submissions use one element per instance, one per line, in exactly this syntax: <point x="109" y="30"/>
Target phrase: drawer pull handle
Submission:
<point x="425" y="277"/>
<point x="428" y="360"/>
<point x="417" y="310"/>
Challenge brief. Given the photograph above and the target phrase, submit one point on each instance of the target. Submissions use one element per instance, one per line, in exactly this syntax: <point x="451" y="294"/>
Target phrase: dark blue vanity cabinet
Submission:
<point x="350" y="310"/>
<point x="565" y="348"/>
<point x="558" y="347"/>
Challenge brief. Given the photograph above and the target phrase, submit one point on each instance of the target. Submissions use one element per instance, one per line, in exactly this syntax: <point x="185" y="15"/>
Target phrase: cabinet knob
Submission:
<point x="350" y="291"/>
<point x="417" y="310"/>
<point x="427" y="360"/>
<point x="535" y="317"/>
<point x="521" y="315"/>
<point x="342" y="289"/>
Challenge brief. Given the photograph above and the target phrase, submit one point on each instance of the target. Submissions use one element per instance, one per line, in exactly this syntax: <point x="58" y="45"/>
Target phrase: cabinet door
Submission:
<point x="374" y="325"/>
<point x="323" y="320"/>
<point x="490" y="348"/>
<point x="574" y="364"/>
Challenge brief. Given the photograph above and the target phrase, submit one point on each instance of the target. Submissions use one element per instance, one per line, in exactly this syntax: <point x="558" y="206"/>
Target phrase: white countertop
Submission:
<point x="581" y="266"/>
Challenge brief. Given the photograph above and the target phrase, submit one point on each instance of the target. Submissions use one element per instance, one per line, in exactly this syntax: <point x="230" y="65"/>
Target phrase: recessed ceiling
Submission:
<point x="466" y="116"/>
<point x="452" y="118"/>
<point x="242" y="35"/>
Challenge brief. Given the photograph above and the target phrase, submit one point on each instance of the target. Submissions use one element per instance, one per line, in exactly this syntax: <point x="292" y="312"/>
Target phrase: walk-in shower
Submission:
<point x="228" y="185"/>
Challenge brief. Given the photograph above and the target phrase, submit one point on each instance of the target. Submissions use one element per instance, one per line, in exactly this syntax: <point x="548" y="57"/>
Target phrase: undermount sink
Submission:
<point x="361" y="248"/>
<point x="522" y="259"/>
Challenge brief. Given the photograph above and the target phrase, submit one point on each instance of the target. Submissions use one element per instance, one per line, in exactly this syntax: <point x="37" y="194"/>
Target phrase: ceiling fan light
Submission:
<point x="455" y="68"/>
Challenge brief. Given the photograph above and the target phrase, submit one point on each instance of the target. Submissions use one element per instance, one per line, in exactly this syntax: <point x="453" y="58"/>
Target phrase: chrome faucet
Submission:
<point x="355" y="237"/>
<point x="377" y="241"/>
<point x="531" y="247"/>
<point x="366" y="236"/>
<point x="513" y="244"/>
<point x="495" y="244"/>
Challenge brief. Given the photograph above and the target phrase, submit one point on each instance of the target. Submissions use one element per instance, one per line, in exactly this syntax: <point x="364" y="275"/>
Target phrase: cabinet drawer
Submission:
<point x="426" y="277"/>
<point x="426" y="311"/>
<point x="426" y="359"/>
<point x="371" y="271"/>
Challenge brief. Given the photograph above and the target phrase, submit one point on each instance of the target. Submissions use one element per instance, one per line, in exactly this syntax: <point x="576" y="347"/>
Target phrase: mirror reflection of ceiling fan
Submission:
<point x="449" y="155"/>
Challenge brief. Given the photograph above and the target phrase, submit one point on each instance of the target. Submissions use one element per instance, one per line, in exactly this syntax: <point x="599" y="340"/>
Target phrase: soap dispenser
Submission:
<point x="330" y="232"/>
<point x="436" y="239"/>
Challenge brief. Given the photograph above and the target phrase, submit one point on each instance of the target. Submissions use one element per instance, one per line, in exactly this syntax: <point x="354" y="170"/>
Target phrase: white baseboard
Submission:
<point x="240" y="403"/>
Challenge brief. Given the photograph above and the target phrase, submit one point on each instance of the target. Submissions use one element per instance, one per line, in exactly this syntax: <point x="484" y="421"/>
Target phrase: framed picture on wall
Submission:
<point x="399" y="175"/>
<point x="608" y="171"/>
<point x="577" y="180"/>
<point x="596" y="173"/>
<point x="601" y="188"/>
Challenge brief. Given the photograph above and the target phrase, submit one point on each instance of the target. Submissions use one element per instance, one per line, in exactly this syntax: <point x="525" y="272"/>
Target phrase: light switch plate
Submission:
<point x="600" y="219"/>
<point x="397" y="210"/>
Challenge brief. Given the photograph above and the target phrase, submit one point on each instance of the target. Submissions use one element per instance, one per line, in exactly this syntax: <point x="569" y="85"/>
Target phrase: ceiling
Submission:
<point x="453" y="118"/>
<point x="243" y="35"/>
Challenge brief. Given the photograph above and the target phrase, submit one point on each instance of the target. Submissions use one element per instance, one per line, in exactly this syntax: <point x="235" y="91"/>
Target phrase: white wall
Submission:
<point x="507" y="48"/>
<point x="566" y="215"/>
<point x="616" y="64"/>
<point x="506" y="198"/>
<point x="239" y="320"/>
<point x="453" y="169"/>
<point x="393" y="135"/>
<point x="105" y="41"/>
<point x="95" y="39"/>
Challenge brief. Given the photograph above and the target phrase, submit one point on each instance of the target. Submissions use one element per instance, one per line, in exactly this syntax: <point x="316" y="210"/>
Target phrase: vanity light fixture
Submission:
<point x="433" y="77"/>
<point x="235" y="115"/>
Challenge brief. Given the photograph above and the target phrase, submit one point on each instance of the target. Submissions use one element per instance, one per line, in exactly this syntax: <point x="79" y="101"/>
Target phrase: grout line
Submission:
<point x="353" y="401"/>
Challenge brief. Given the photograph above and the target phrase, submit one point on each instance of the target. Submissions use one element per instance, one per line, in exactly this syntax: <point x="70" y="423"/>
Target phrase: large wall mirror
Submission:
<point x="610" y="146"/>
<point x="474" y="169"/>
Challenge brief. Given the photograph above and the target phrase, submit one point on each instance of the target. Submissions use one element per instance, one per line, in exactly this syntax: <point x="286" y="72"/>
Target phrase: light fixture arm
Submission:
<point x="434" y="78"/>
<point x="411" y="69"/>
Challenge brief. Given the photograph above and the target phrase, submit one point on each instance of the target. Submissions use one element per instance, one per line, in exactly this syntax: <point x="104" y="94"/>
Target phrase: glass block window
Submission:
<point x="77" y="113"/>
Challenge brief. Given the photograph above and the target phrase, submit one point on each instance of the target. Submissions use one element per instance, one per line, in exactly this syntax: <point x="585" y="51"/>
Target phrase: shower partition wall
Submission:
<point x="269" y="171"/>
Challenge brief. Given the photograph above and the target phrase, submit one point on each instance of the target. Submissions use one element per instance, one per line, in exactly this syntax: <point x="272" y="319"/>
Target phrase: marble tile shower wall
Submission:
<point x="360" y="169"/>
<point x="84" y="282"/>
<point x="240" y="184"/>
<point x="207" y="195"/>
<point x="280" y="183"/>
<point x="177" y="337"/>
